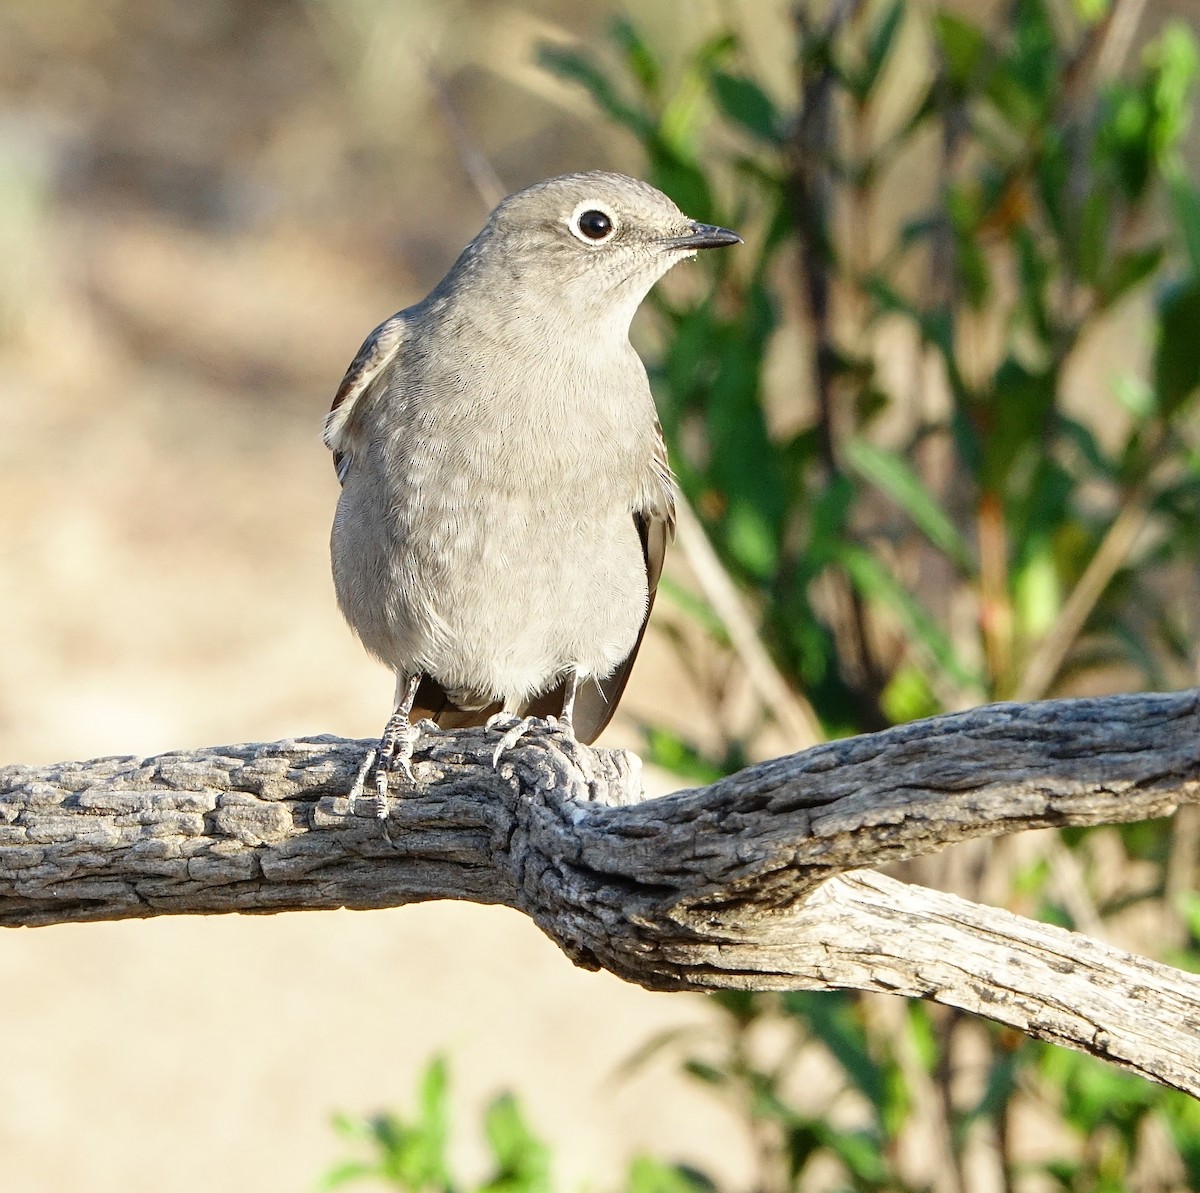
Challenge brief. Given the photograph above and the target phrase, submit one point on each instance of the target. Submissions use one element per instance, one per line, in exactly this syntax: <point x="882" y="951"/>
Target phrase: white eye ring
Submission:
<point x="590" y="208"/>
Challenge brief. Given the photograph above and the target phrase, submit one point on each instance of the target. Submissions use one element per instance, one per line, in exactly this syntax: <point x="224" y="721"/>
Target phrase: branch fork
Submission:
<point x="754" y="882"/>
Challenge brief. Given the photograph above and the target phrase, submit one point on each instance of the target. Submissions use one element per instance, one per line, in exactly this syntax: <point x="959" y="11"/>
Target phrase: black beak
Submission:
<point x="703" y="236"/>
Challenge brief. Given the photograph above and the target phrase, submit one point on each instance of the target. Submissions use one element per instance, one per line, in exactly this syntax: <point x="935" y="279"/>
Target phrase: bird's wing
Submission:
<point x="379" y="348"/>
<point x="432" y="704"/>
<point x="595" y="703"/>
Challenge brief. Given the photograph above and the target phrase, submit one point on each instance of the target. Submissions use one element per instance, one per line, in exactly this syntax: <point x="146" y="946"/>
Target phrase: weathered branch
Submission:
<point x="740" y="884"/>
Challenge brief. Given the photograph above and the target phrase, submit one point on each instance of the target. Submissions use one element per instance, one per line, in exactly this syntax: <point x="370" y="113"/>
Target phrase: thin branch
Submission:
<point x="810" y="192"/>
<point x="474" y="161"/>
<point x="1121" y="29"/>
<point x="1051" y="652"/>
<point x="794" y="714"/>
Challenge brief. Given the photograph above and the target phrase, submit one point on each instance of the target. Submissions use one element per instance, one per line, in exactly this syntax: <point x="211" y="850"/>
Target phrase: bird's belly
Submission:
<point x="497" y="561"/>
<point x="515" y="596"/>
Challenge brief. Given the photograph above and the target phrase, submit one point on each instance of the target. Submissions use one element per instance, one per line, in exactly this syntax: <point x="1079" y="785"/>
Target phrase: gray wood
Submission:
<point x="743" y="884"/>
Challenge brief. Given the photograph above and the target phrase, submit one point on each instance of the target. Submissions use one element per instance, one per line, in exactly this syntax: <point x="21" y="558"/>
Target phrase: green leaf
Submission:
<point x="894" y="476"/>
<point x="879" y="44"/>
<point x="1014" y="418"/>
<point x="639" y="58"/>
<point x="344" y="1173"/>
<point x="1127" y="271"/>
<point x="696" y="607"/>
<point x="510" y="1138"/>
<point x="876" y="583"/>
<point x="1136" y="395"/>
<point x="1177" y="359"/>
<point x="1096" y="1095"/>
<point x="803" y="1143"/>
<point x="1183" y="1120"/>
<point x="1037" y="592"/>
<point x="963" y="46"/>
<point x="350" y="1126"/>
<point x="578" y="68"/>
<point x="1123" y="138"/>
<point x="747" y="104"/>
<point x="860" y="1152"/>
<point x="919" y="228"/>
<point x="923" y="1033"/>
<point x="1034" y="63"/>
<point x="908" y="696"/>
<point x="415" y="1156"/>
<point x="1185" y="198"/>
<point x="522" y="1160"/>
<point x="672" y="753"/>
<point x="974" y="272"/>
<point x="750" y="539"/>
<point x="679" y="124"/>
<point x="828" y="512"/>
<point x="743" y="1006"/>
<point x="649" y="1175"/>
<point x="1036" y="273"/>
<point x="707" y="1073"/>
<point x="1187" y="903"/>
<point x="1037" y="512"/>
<point x="680" y="179"/>
<point x="434" y="1089"/>
<point x="1173" y="64"/>
<point x="767" y="1101"/>
<point x="836" y="1022"/>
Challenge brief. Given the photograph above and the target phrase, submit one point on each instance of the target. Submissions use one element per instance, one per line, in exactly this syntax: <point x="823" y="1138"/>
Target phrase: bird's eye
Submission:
<point x="593" y="225"/>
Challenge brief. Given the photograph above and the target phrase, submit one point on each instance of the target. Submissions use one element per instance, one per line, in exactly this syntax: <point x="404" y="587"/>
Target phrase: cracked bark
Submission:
<point x="753" y="882"/>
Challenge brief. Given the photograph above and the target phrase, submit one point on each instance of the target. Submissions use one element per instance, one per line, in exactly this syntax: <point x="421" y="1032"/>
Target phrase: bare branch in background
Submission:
<point x="479" y="169"/>
<point x="793" y="713"/>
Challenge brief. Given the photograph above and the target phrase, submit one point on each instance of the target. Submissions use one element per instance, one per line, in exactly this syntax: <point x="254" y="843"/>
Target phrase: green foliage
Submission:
<point x="1031" y="236"/>
<point x="414" y="1157"/>
<point x="404" y="1155"/>
<point x="950" y="500"/>
<point x="862" y="515"/>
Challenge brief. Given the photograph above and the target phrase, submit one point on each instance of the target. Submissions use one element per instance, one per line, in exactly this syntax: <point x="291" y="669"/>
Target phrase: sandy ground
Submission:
<point x="199" y="1054"/>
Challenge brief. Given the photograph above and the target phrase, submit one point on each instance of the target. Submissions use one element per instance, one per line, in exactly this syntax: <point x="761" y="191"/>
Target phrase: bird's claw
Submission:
<point x="358" y="787"/>
<point x="394" y="752"/>
<point x="519" y="728"/>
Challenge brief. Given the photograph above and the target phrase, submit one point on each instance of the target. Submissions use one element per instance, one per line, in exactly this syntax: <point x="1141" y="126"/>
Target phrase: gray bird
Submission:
<point x="506" y="498"/>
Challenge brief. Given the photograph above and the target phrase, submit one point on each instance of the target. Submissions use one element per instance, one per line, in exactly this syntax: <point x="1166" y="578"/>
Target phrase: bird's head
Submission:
<point x="589" y="243"/>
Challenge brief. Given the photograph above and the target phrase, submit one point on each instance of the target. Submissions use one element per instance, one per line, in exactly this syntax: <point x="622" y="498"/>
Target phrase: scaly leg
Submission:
<point x="397" y="743"/>
<point x="514" y="733"/>
<point x="568" y="708"/>
<point x="395" y="749"/>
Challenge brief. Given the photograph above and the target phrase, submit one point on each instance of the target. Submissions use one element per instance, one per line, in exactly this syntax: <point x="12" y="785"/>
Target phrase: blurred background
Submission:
<point x="936" y="422"/>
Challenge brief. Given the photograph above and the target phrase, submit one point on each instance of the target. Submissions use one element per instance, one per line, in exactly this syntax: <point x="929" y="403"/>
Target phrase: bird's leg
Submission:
<point x="395" y="749"/>
<point x="515" y="732"/>
<point x="568" y="709"/>
<point x="397" y="743"/>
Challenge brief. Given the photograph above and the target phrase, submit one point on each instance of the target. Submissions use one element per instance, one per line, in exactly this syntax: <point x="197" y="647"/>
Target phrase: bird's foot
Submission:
<point x="358" y="787"/>
<point x="394" y="752"/>
<point x="516" y="728"/>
